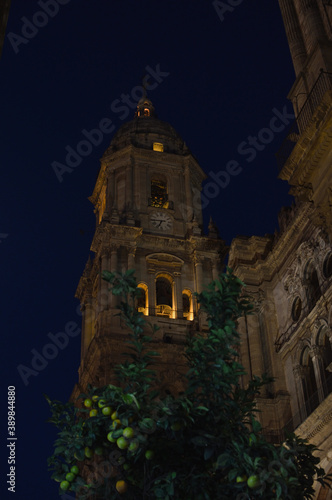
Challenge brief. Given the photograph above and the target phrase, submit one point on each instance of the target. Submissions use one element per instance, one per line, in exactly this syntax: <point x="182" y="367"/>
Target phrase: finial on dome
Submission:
<point x="144" y="106"/>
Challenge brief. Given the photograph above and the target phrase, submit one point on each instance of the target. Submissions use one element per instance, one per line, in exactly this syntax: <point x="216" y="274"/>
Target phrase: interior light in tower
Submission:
<point x="158" y="146"/>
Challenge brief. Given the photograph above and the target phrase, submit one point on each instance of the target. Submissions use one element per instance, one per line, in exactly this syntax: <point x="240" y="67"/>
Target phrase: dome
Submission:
<point x="145" y="130"/>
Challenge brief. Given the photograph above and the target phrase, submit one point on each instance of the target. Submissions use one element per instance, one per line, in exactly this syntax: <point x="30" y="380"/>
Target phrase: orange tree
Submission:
<point x="127" y="441"/>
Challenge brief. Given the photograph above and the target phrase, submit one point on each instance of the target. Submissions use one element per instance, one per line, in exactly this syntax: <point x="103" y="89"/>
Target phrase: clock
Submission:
<point x="161" y="220"/>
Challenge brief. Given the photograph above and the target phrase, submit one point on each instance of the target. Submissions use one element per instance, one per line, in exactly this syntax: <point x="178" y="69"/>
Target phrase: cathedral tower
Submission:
<point x="148" y="218"/>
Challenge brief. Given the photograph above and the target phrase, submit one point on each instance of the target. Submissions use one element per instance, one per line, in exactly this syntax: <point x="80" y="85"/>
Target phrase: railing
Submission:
<point x="315" y="97"/>
<point x="164" y="310"/>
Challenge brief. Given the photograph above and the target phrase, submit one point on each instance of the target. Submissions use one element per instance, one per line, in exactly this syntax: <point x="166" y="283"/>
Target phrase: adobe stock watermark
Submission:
<point x="40" y="358"/>
<point x="94" y="137"/>
<point x="224" y="7"/>
<point x="40" y="19"/>
<point x="248" y="149"/>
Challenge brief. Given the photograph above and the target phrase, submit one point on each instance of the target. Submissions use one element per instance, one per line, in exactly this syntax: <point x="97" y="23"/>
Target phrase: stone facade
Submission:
<point x="149" y="217"/>
<point x="289" y="274"/>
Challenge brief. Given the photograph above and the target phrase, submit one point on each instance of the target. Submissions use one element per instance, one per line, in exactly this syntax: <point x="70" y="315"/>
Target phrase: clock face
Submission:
<point x="160" y="220"/>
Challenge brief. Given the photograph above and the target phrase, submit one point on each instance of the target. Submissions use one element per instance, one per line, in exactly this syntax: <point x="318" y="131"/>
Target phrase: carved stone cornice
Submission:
<point x="317" y="420"/>
<point x="302" y="193"/>
<point x="119" y="234"/>
<point x="156" y="260"/>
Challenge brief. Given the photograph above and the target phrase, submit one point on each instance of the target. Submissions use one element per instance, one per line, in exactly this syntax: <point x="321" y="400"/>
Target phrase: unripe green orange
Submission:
<point x="128" y="432"/>
<point x="122" y="443"/>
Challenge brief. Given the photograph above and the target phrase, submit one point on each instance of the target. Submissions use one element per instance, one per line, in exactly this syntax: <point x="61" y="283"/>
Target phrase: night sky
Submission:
<point x="220" y="83"/>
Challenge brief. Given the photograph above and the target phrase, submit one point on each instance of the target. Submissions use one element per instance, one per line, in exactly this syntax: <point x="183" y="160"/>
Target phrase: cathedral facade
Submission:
<point x="289" y="275"/>
<point x="148" y="219"/>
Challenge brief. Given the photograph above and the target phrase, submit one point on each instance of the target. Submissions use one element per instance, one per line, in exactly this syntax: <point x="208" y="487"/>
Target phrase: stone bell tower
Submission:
<point x="148" y="217"/>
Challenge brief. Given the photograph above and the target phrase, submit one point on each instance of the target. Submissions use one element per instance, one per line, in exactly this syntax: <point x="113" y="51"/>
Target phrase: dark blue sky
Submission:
<point x="220" y="84"/>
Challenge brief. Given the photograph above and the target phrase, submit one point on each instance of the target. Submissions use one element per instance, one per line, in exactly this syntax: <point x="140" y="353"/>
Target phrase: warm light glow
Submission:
<point x="158" y="193"/>
<point x="158" y="146"/>
<point x="164" y="310"/>
<point x="165" y="296"/>
<point x="102" y="203"/>
<point x="187" y="304"/>
<point x="143" y="300"/>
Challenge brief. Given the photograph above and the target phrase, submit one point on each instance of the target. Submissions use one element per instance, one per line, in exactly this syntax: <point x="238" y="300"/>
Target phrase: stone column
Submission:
<point x="152" y="292"/>
<point x="294" y="34"/>
<point x="316" y="356"/>
<point x="89" y="327"/>
<point x="199" y="273"/>
<point x="299" y="376"/>
<point x="104" y="297"/>
<point x="114" y="258"/>
<point x="178" y="295"/>
<point x="114" y="267"/>
<point x="254" y="344"/>
<point x="131" y="258"/>
<point x="189" y="197"/>
<point x="111" y="190"/>
<point x="315" y="31"/>
<point x="129" y="186"/>
<point x="214" y="269"/>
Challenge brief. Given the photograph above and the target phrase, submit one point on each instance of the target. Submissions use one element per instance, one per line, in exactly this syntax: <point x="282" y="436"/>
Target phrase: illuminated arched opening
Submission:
<point x="159" y="196"/>
<point x="143" y="299"/>
<point x="164" y="296"/>
<point x="187" y="305"/>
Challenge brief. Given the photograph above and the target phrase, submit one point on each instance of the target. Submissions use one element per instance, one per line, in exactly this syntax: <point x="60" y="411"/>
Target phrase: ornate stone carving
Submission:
<point x="302" y="193"/>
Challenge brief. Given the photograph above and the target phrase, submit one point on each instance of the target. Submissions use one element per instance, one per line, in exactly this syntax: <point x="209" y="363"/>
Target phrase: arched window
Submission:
<point x="143" y="300"/>
<point x="312" y="285"/>
<point x="326" y="361"/>
<point x="327" y="266"/>
<point x="187" y="305"/>
<point x="164" y="296"/>
<point x="309" y="384"/>
<point x="296" y="309"/>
